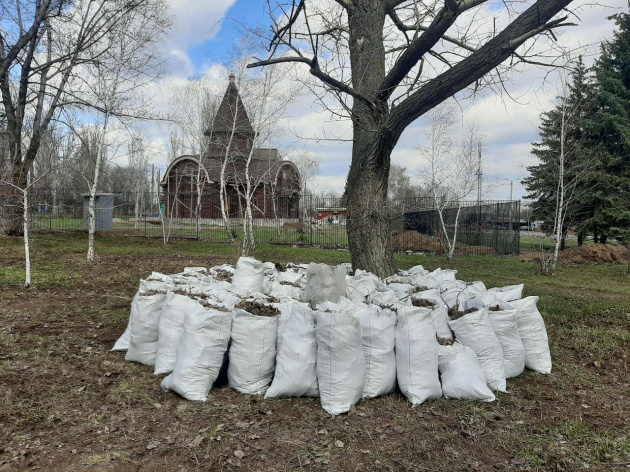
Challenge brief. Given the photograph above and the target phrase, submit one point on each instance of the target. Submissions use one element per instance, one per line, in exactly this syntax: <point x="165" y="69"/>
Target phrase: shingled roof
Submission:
<point x="231" y="112"/>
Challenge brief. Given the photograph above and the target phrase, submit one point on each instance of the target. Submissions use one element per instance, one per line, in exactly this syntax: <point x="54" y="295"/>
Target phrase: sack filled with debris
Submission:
<point x="531" y="327"/>
<point x="324" y="283"/>
<point x="295" y="374"/>
<point x="462" y="377"/>
<point x="378" y="334"/>
<point x="144" y="328"/>
<point x="200" y="353"/>
<point x="474" y="330"/>
<point x="252" y="354"/>
<point x="249" y="275"/>
<point x="417" y="355"/>
<point x="174" y="311"/>
<point x="340" y="361"/>
<point x="508" y="293"/>
<point x="502" y="317"/>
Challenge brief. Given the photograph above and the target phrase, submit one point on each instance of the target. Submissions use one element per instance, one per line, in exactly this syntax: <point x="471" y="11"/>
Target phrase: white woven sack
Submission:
<point x="462" y="377"/>
<point x="450" y="296"/>
<point x="417" y="270"/>
<point x="223" y="268"/>
<point x="378" y="337"/>
<point x="439" y="315"/>
<point x="361" y="285"/>
<point x="417" y="355"/>
<point x="295" y="374"/>
<point x="400" y="279"/>
<point x="122" y="343"/>
<point x="476" y="287"/>
<point x="293" y="276"/>
<point x="170" y="329"/>
<point x="197" y="271"/>
<point x="143" y="335"/>
<point x="431" y="295"/>
<point x="506" y="329"/>
<point x="453" y="284"/>
<point x="287" y="308"/>
<point x="156" y="285"/>
<point x="280" y="290"/>
<point x="340" y="361"/>
<point x="249" y="275"/>
<point x="200" y="354"/>
<point x="444" y="275"/>
<point x="252" y="353"/>
<point x="342" y="305"/>
<point x="531" y="327"/>
<point x="401" y="289"/>
<point x="427" y="281"/>
<point x="509" y="292"/>
<point x="388" y="298"/>
<point x="475" y="331"/>
<point x="324" y="283"/>
<point x="478" y="301"/>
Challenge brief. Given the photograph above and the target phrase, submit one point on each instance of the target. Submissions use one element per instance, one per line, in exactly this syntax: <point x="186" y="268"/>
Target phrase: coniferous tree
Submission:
<point x="609" y="135"/>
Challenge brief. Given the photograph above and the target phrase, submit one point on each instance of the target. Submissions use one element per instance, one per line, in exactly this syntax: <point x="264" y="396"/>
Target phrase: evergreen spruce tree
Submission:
<point x="609" y="135"/>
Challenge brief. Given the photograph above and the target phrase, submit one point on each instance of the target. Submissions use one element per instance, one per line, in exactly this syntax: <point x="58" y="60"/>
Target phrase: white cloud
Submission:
<point x="509" y="126"/>
<point x="196" y="21"/>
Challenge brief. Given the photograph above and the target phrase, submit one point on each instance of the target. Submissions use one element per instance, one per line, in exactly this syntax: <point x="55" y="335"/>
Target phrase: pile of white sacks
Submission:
<point x="317" y="331"/>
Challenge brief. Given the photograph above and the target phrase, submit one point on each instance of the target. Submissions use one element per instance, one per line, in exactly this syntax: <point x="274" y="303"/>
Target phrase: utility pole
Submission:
<point x="479" y="175"/>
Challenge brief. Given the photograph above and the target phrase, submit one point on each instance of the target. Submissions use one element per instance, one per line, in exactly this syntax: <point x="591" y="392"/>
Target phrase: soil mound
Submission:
<point x="591" y="254"/>
<point x="414" y="241"/>
<point x="479" y="250"/>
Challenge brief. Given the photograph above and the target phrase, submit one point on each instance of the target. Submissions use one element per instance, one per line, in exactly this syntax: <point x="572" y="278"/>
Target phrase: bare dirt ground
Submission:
<point x="68" y="404"/>
<point x="590" y="254"/>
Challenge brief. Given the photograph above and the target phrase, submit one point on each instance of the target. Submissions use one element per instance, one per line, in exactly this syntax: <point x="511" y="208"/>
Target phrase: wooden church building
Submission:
<point x="231" y="139"/>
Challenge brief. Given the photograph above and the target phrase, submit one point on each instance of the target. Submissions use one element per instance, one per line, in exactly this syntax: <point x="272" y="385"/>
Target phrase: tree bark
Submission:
<point x="368" y="223"/>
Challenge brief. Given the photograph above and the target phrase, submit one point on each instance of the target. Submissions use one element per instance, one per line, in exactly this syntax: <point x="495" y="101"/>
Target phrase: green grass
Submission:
<point x="586" y="309"/>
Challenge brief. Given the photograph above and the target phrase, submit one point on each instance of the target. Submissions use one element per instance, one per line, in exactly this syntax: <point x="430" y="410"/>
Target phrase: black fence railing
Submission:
<point x="490" y="228"/>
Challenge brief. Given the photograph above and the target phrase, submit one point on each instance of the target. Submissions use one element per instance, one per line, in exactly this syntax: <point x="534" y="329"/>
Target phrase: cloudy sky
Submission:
<point x="204" y="32"/>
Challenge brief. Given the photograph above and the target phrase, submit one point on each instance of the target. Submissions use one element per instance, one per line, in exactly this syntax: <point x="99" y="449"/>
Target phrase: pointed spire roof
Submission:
<point x="232" y="111"/>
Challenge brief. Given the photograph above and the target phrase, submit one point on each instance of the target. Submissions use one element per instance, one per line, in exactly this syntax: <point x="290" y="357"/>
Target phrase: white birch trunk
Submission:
<point x="223" y="201"/>
<point x="137" y="209"/>
<point x="92" y="203"/>
<point x="27" y="250"/>
<point x="451" y="249"/>
<point x="559" y="218"/>
<point x="199" y="195"/>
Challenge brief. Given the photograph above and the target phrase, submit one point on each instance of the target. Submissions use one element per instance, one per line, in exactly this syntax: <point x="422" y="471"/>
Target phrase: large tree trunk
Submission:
<point x="368" y="223"/>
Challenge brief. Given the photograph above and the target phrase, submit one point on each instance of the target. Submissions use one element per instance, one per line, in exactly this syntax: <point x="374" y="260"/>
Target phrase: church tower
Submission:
<point x="231" y="121"/>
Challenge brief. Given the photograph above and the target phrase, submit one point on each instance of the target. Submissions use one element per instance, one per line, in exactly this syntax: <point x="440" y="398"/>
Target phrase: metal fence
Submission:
<point x="490" y="228"/>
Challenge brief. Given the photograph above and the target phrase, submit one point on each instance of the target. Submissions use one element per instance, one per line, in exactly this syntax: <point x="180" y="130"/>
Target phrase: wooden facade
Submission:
<point x="231" y="137"/>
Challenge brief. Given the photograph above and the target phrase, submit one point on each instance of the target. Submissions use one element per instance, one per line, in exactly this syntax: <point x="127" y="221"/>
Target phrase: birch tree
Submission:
<point x="124" y="61"/>
<point x="449" y="173"/>
<point x="43" y="45"/>
<point x="391" y="61"/>
<point x="561" y="181"/>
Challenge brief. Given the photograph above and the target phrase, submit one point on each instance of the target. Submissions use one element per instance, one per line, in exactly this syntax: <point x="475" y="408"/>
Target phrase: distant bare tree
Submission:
<point x="449" y="173"/>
